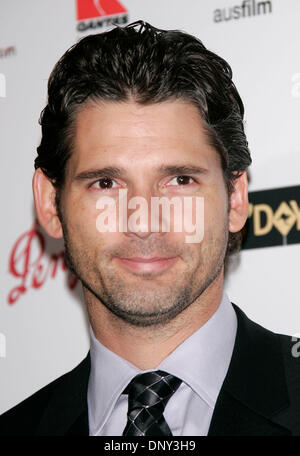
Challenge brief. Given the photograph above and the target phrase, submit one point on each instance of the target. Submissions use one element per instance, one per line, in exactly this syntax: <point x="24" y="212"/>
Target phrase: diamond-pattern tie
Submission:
<point x="148" y="395"/>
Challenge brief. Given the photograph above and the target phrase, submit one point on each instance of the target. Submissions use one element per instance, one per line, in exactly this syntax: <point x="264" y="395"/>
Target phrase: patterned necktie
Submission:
<point x="148" y="395"/>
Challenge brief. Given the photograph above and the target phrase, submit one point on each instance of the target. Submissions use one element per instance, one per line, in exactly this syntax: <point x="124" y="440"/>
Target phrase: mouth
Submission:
<point x="143" y="264"/>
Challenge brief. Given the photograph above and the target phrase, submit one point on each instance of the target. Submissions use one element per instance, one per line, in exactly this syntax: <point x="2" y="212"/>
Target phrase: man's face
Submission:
<point x="142" y="141"/>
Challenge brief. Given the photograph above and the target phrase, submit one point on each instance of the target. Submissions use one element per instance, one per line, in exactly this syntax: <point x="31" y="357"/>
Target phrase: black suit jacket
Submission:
<point x="259" y="396"/>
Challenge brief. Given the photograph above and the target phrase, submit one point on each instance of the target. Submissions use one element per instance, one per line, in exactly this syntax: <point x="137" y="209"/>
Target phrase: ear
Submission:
<point x="238" y="204"/>
<point x="44" y="199"/>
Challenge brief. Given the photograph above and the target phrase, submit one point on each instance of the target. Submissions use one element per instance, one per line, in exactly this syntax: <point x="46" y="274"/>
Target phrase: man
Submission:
<point x="154" y="114"/>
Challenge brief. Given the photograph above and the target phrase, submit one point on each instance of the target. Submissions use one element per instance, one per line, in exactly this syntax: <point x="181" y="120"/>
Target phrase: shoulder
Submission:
<point x="272" y="361"/>
<point x="25" y="417"/>
<point x="290" y="347"/>
<point x="258" y="349"/>
<point x="287" y="346"/>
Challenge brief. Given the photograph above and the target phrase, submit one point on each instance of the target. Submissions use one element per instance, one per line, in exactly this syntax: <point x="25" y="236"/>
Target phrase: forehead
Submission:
<point x="128" y="132"/>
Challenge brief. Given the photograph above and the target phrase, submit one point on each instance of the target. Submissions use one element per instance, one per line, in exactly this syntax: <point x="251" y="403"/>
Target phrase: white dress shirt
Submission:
<point x="201" y="362"/>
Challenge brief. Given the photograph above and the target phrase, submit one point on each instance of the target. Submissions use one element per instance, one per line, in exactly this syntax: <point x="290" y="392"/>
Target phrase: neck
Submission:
<point x="155" y="343"/>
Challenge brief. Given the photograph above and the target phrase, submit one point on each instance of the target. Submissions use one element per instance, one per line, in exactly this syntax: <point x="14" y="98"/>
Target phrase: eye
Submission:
<point x="105" y="183"/>
<point x="182" y="180"/>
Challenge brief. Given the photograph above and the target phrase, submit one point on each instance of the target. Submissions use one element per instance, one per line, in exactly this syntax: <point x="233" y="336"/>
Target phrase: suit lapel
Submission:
<point x="254" y="389"/>
<point x="80" y="427"/>
<point x="253" y="392"/>
<point x="67" y="412"/>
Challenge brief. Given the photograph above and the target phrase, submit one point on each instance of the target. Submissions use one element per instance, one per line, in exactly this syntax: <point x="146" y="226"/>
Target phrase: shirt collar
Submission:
<point x="109" y="376"/>
<point x="201" y="361"/>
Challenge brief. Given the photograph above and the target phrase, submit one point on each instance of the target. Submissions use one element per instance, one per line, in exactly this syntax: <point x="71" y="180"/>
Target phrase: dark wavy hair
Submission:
<point x="149" y="65"/>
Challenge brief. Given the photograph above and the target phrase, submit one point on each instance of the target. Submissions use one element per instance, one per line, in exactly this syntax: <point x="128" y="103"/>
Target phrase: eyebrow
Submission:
<point x="113" y="172"/>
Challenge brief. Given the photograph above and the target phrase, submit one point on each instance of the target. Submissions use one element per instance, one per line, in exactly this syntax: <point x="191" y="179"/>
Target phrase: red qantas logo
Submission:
<point x="88" y="9"/>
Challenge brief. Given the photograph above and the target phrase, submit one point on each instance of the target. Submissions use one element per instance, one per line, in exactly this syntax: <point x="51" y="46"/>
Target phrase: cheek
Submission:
<point x="215" y="212"/>
<point x="88" y="234"/>
<point x="80" y="220"/>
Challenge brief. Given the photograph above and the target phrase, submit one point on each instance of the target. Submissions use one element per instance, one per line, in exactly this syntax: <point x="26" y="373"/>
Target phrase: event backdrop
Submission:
<point x="43" y="326"/>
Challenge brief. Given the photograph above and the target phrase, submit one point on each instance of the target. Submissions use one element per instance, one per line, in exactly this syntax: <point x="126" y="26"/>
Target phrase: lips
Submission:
<point x="142" y="264"/>
<point x="145" y="260"/>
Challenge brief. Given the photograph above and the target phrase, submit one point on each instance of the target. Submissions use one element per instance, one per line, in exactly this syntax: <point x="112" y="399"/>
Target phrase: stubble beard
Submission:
<point x="132" y="304"/>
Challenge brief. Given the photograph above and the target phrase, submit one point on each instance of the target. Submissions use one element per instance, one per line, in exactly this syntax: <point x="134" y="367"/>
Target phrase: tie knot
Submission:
<point x="152" y="388"/>
<point x="148" y="395"/>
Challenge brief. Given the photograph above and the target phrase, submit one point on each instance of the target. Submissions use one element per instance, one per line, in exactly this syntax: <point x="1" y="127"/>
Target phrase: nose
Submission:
<point x="142" y="222"/>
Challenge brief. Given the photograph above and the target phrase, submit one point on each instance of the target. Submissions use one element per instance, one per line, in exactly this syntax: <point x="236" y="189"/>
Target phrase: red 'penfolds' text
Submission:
<point x="32" y="266"/>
